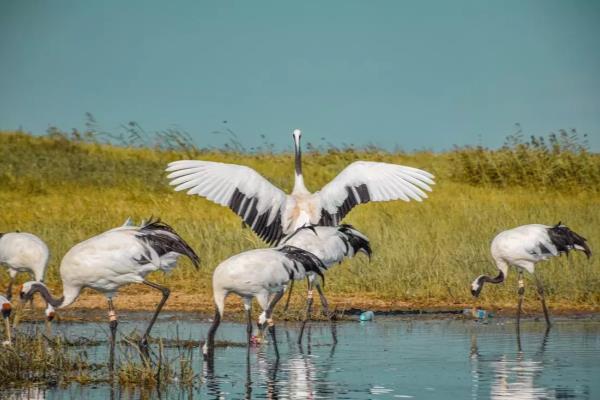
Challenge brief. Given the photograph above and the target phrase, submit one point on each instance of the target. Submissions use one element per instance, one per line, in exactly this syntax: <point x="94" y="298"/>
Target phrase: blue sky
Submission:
<point x="413" y="74"/>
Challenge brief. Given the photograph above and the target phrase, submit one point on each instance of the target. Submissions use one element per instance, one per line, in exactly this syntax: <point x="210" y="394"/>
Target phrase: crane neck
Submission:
<point x="299" y="187"/>
<point x="40" y="288"/>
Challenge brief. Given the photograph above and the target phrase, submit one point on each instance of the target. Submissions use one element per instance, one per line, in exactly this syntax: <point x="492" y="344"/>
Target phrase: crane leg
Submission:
<point x="309" y="301"/>
<point x="7" y="330"/>
<point x="520" y="304"/>
<point x="209" y="346"/>
<point x="248" y="309"/>
<point x="331" y="316"/>
<point x="113" y="322"/>
<point x="287" y="302"/>
<point x="324" y="303"/>
<point x="540" y="290"/>
<point x="165" y="295"/>
<point x="269" y="312"/>
<point x="9" y="288"/>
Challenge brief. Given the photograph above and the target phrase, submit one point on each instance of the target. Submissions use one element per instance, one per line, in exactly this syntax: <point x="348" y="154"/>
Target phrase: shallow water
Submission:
<point x="389" y="358"/>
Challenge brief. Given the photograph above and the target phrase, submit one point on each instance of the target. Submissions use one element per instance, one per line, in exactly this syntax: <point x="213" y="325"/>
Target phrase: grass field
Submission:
<point x="425" y="254"/>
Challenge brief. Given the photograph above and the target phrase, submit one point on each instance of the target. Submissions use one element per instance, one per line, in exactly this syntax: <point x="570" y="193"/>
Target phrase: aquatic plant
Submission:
<point x="34" y="358"/>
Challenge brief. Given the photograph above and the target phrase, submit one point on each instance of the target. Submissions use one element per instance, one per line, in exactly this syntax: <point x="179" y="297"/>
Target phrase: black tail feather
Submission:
<point x="153" y="231"/>
<point x="565" y="239"/>
<point x="308" y="260"/>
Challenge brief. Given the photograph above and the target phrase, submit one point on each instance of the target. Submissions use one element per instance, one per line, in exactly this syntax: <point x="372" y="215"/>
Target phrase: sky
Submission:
<point x="397" y="74"/>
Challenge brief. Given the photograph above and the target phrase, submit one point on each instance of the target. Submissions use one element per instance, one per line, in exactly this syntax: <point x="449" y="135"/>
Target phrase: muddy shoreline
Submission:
<point x="93" y="306"/>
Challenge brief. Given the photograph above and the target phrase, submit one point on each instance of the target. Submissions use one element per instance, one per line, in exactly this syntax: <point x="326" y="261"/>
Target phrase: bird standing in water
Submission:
<point x="331" y="244"/>
<point x="261" y="274"/>
<point x="523" y="247"/>
<point x="118" y="257"/>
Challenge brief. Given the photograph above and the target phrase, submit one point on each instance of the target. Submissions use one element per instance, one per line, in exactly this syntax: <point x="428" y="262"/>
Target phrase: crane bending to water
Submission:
<point x="23" y="252"/>
<point x="263" y="274"/>
<point x="525" y="246"/>
<point x="117" y="257"/>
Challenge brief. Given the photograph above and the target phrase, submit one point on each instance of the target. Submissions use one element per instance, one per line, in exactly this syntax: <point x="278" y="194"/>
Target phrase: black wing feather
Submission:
<point x="153" y="233"/>
<point x="352" y="200"/>
<point x="245" y="207"/>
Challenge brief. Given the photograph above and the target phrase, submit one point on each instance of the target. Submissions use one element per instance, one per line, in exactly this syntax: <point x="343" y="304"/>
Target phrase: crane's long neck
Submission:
<point x="299" y="187"/>
<point x="63" y="301"/>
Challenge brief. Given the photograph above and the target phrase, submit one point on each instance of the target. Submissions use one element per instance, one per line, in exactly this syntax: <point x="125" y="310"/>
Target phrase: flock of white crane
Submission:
<point x="304" y="229"/>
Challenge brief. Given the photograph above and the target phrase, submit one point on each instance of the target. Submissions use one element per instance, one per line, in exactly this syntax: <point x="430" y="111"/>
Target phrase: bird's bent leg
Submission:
<point x="165" y="295"/>
<point x="309" y="301"/>
<point x="208" y="350"/>
<point x="287" y="302"/>
<point x="326" y="312"/>
<point x="324" y="303"/>
<point x="9" y="288"/>
<point x="521" y="294"/>
<point x="540" y="289"/>
<point x="113" y="322"/>
<point x="269" y="313"/>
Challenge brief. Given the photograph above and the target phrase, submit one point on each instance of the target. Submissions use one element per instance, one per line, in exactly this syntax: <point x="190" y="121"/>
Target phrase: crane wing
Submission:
<point x="364" y="181"/>
<point x="258" y="202"/>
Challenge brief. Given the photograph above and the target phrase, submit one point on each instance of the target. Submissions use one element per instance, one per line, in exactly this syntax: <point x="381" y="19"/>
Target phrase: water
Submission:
<point x="390" y="358"/>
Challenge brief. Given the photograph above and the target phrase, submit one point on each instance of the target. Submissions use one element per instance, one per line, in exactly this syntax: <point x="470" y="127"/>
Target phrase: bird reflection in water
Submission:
<point x="297" y="376"/>
<point x="512" y="377"/>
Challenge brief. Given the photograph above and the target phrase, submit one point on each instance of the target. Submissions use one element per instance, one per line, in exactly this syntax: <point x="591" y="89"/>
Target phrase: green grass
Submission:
<point x="424" y="253"/>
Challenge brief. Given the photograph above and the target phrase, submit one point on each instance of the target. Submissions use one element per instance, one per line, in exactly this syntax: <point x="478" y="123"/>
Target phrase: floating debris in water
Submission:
<point x="367" y="316"/>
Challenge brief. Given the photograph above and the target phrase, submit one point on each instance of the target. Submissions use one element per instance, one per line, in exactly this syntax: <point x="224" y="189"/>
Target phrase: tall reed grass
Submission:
<point x="67" y="188"/>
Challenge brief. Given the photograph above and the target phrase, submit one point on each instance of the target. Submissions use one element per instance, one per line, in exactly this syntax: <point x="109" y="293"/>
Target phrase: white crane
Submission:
<point x="6" y="308"/>
<point x="117" y="257"/>
<point x="262" y="274"/>
<point x="331" y="245"/>
<point x="523" y="247"/>
<point x="23" y="252"/>
<point x="273" y="214"/>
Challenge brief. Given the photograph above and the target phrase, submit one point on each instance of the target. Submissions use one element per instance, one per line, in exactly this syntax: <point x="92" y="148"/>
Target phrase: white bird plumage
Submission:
<point x="23" y="252"/>
<point x="117" y="257"/>
<point x="523" y="247"/>
<point x="262" y="274"/>
<point x="332" y="245"/>
<point x="273" y="214"/>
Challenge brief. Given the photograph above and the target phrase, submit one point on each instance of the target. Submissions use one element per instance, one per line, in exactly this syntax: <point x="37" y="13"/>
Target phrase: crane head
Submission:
<point x="476" y="286"/>
<point x="297" y="134"/>
<point x="6" y="310"/>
